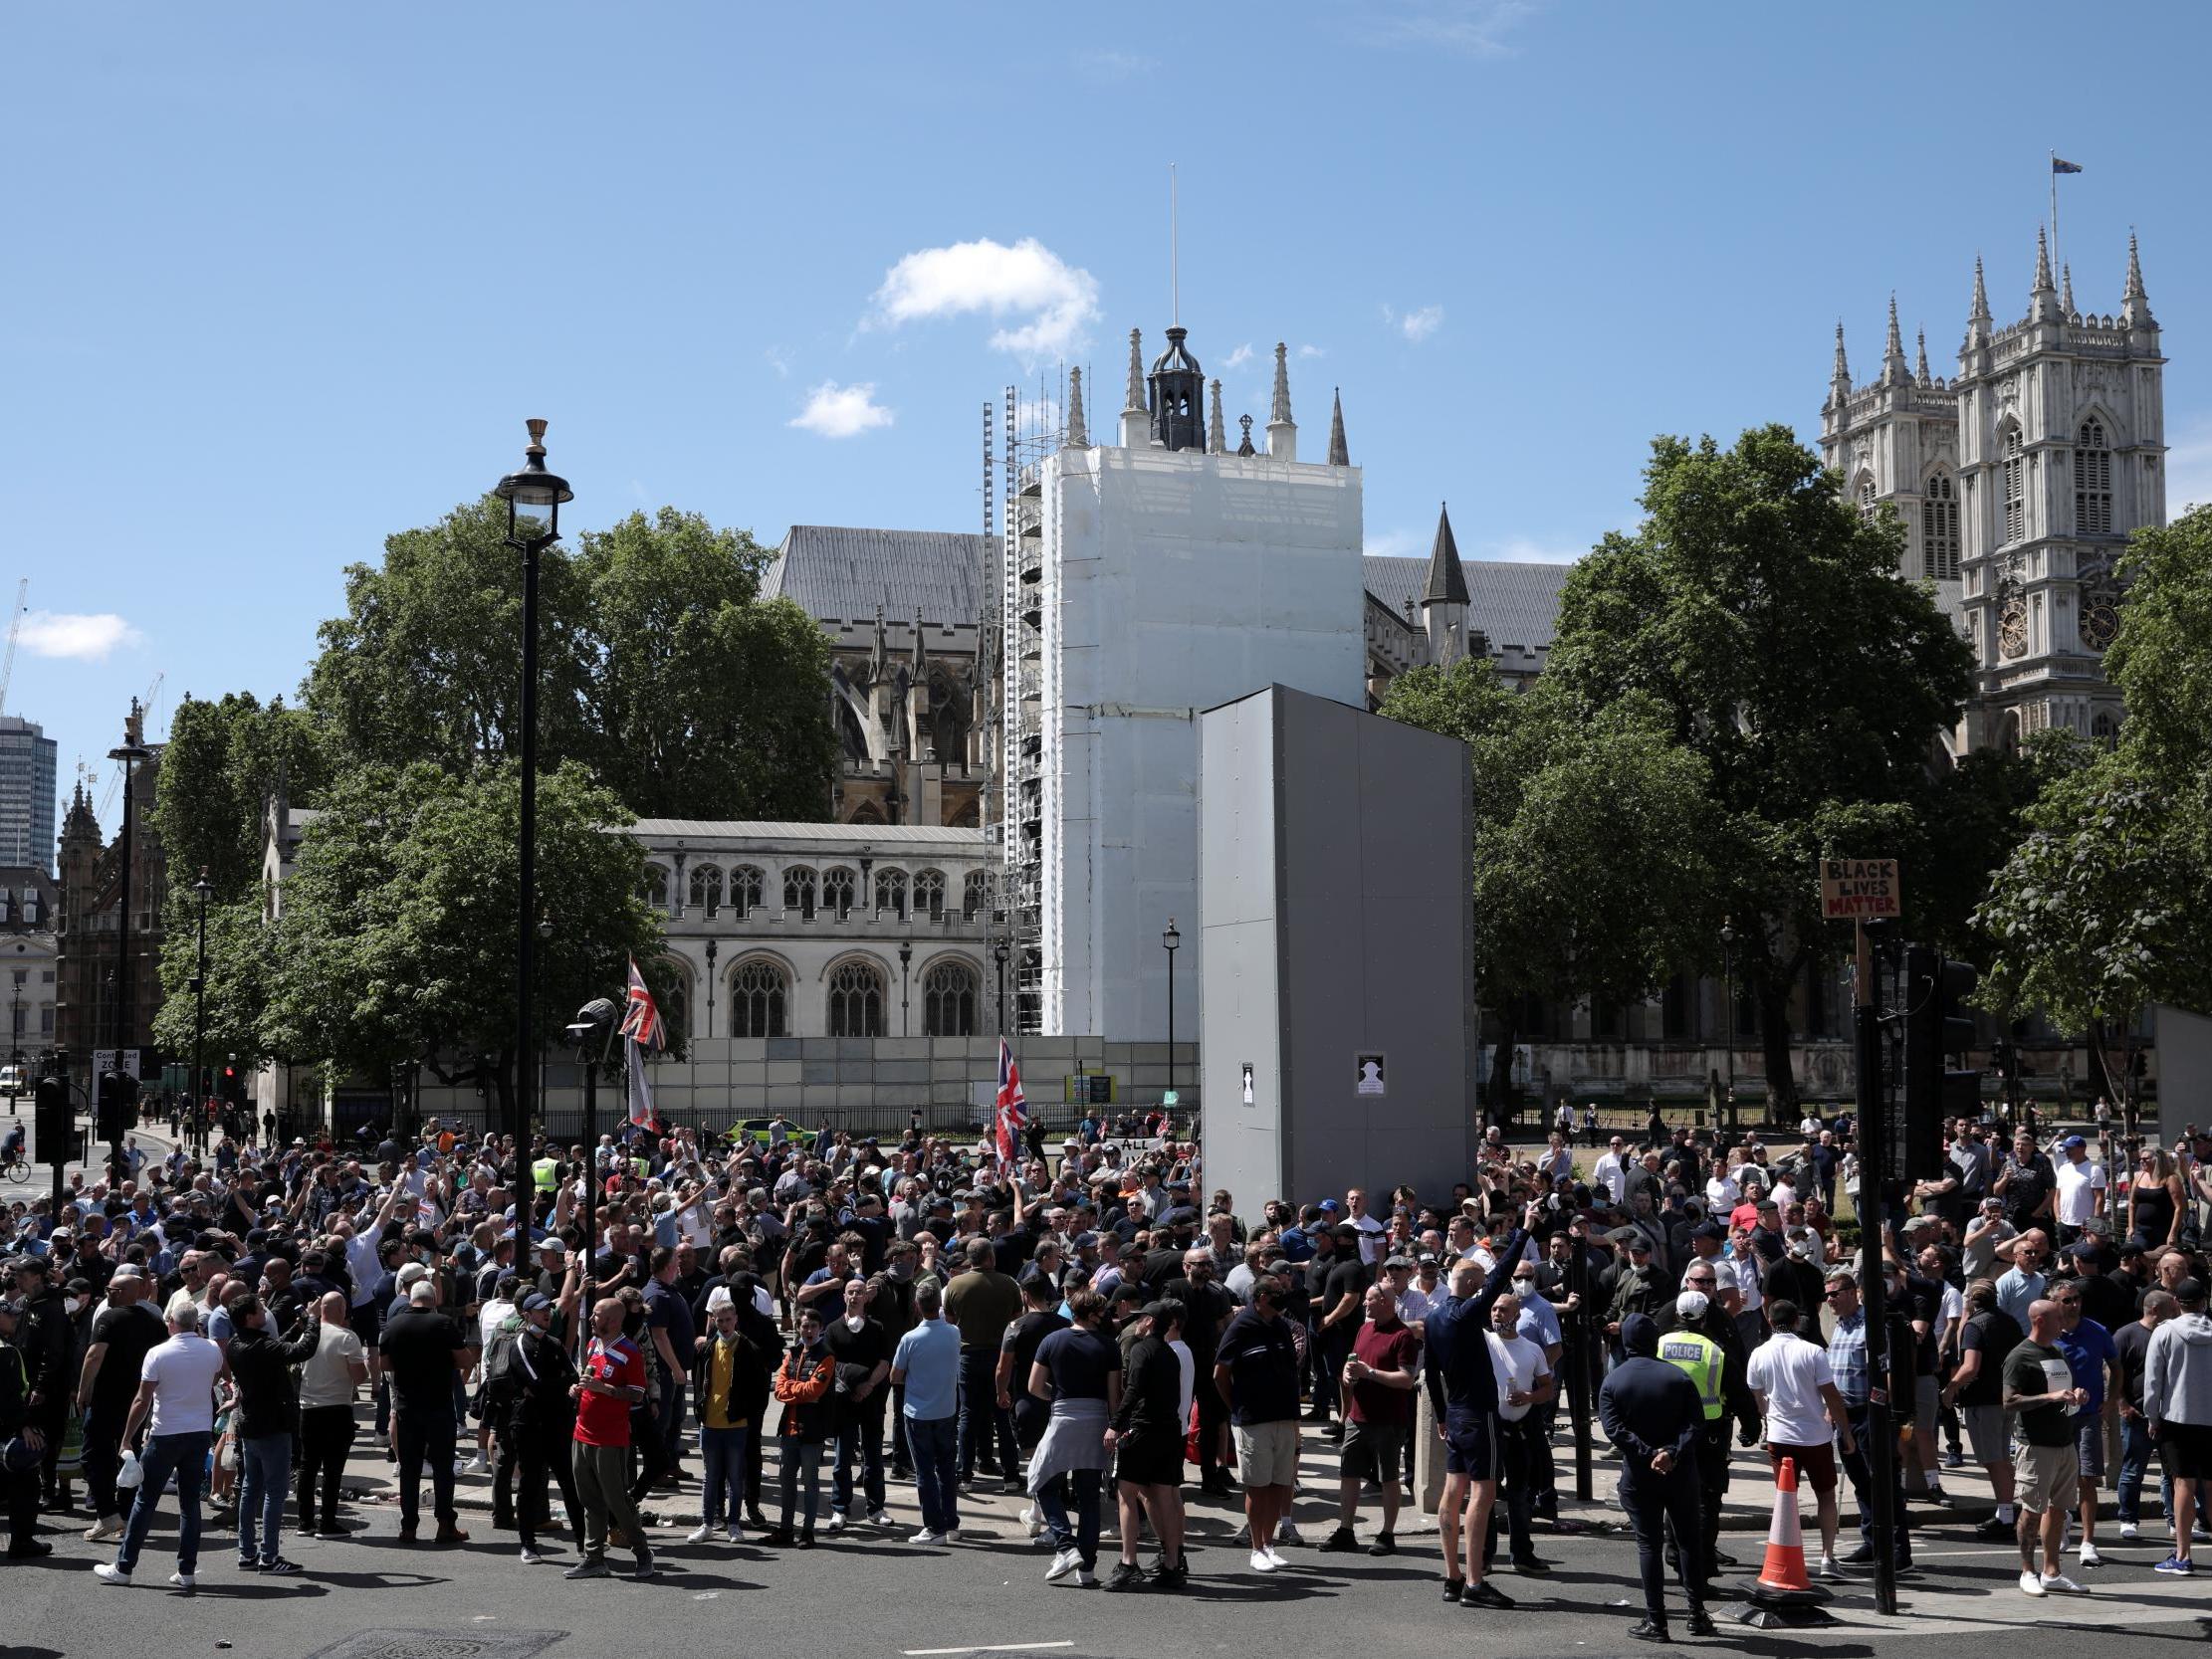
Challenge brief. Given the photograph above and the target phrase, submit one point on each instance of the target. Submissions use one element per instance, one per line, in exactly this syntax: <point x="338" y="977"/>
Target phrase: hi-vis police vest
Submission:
<point x="546" y="1172"/>
<point x="1703" y="1360"/>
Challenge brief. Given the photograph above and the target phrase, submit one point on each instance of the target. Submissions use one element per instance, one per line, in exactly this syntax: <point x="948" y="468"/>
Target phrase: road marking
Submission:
<point x="994" y="1647"/>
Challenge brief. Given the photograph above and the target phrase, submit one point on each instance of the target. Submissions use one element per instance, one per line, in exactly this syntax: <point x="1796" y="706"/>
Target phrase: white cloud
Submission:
<point x="86" y="638"/>
<point x="1521" y="549"/>
<point x="780" y="359"/>
<point x="1312" y="352"/>
<point x="1473" y="28"/>
<point x="1395" y="544"/>
<point x="1239" y="357"/>
<point x="1418" y="326"/>
<point x="2189" y="467"/>
<point x="834" y="411"/>
<point x="1052" y="299"/>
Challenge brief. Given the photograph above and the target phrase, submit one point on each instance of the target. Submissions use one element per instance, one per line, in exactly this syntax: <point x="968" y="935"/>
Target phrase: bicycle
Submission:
<point x="17" y="1168"/>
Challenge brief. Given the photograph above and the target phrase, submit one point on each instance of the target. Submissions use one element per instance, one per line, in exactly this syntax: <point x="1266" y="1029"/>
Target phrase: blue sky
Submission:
<point x="286" y="279"/>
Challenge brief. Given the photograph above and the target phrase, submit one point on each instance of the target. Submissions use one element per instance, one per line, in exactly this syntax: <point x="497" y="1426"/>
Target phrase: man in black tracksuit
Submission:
<point x="1653" y="1415"/>
<point x="541" y="1421"/>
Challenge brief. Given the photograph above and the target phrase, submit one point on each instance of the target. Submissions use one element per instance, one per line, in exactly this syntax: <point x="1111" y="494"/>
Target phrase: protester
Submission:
<point x="928" y="1366"/>
<point x="175" y="1406"/>
<point x="1653" y="1415"/>
<point x="2040" y="1389"/>
<point x="2177" y="1400"/>
<point x="611" y="1384"/>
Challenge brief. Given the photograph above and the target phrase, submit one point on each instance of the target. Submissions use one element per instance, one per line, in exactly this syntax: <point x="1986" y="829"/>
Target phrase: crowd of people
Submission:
<point x="716" y="1325"/>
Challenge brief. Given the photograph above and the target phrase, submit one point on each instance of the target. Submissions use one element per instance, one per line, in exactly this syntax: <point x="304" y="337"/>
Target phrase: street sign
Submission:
<point x="1860" y="889"/>
<point x="104" y="1061"/>
<point x="1368" y="1070"/>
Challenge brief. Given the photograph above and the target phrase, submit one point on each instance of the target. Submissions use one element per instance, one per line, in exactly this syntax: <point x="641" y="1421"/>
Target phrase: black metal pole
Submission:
<point x="1582" y="1327"/>
<point x="199" y="1010"/>
<point x="1875" y="1175"/>
<point x="526" y="834"/>
<point x="590" y="1194"/>
<point x="116" y="1164"/>
<point x="1170" y="1016"/>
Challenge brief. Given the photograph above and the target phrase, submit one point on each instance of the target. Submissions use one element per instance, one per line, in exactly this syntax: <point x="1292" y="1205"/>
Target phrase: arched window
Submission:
<point x="2092" y="481"/>
<point x="838" y="892"/>
<point x="653" y="887"/>
<point x="929" y="893"/>
<point x="1866" y="497"/>
<point x="975" y="893"/>
<point x="676" y="1011"/>
<point x="1939" y="530"/>
<point x="706" y="889"/>
<point x="759" y="995"/>
<point x="2104" y="729"/>
<point x="949" y="1001"/>
<point x="891" y="893"/>
<point x="798" y="892"/>
<point x="867" y="812"/>
<point x="855" y="1000"/>
<point x="745" y="886"/>
<point x="2016" y="487"/>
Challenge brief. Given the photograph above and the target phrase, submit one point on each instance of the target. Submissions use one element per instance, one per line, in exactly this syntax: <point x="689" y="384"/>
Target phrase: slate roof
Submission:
<point x="839" y="575"/>
<point x="749" y="829"/>
<point x="1512" y="604"/>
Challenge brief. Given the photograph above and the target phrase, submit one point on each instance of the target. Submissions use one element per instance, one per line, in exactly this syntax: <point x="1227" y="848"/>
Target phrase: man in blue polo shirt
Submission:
<point x="1462" y="1387"/>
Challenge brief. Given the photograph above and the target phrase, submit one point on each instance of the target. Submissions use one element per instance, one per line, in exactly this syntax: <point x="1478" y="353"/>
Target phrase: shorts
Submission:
<point x="1470" y="1444"/>
<point x="2088" y="1448"/>
<point x="1150" y="1460"/>
<point x="1816" y="1465"/>
<point x="1374" y="1452"/>
<point x="2045" y="1477"/>
<point x="1267" y="1454"/>
<point x="1989" y="1432"/>
<point x="2186" y="1449"/>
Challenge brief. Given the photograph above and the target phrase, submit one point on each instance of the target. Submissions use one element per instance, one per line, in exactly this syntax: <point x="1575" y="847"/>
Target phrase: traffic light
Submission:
<point x="108" y="1119"/>
<point x="55" y="1120"/>
<point x="1939" y="1028"/>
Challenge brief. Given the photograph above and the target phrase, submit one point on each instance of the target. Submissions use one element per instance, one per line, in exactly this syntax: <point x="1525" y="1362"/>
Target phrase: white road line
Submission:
<point x="995" y="1647"/>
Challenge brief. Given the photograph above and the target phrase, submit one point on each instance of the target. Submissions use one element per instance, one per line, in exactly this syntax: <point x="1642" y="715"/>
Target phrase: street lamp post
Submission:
<point x="1728" y="960"/>
<point x="906" y="955"/>
<point x="533" y="496"/>
<point x="204" y="887"/>
<point x="713" y="950"/>
<point x="15" y="1059"/>
<point x="1170" y="942"/>
<point x="999" y="951"/>
<point x="129" y="751"/>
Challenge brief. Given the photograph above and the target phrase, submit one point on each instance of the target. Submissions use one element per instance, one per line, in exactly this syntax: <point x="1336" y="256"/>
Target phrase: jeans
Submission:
<point x="860" y="1436"/>
<point x="934" y="1443"/>
<point x="1516" y="1489"/>
<point x="326" y="1433"/>
<point x="264" y="1482"/>
<point x="801" y="1458"/>
<point x="185" y="1457"/>
<point x="1656" y="1504"/>
<point x="543" y="1448"/>
<point x="426" y="1436"/>
<point x="983" y="1426"/>
<point x="2137" y="1449"/>
<point x="1082" y="1538"/>
<point x="724" y="1496"/>
<point x="1858" y="1467"/>
<point x="672" y="1421"/>
<point x="103" y="1455"/>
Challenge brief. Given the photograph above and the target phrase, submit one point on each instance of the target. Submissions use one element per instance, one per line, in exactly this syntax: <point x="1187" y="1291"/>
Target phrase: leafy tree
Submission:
<point x="1764" y="615"/>
<point x="1590" y="874"/>
<point x="239" y="984"/>
<point x="219" y="768"/>
<point x="397" y="939"/>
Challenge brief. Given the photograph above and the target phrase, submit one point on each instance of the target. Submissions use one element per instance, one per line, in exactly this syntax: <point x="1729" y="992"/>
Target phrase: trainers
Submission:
<point x="1830" y="1571"/>
<point x="1262" y="1562"/>
<point x="2177" y="1565"/>
<point x="734" y="1533"/>
<point x="530" y="1557"/>
<point x="591" y="1567"/>
<point x="951" y="1534"/>
<point x="1342" y="1542"/>
<point x="1064" y="1562"/>
<point x="477" y="1465"/>
<point x="836" y="1524"/>
<point x="2129" y="1532"/>
<point x="1032" y="1523"/>
<point x="644" y="1567"/>
<point x="1287" y="1533"/>
<point x="1454" y="1588"/>
<point x="249" y="1564"/>
<point x="107" y="1526"/>
<point x="1485" y="1594"/>
<point x="879" y="1518"/>
<point x="1384" y="1545"/>
<point x="185" y="1582"/>
<point x="2058" y="1584"/>
<point x="280" y="1566"/>
<point x="924" y="1535"/>
<point x="2088" y="1556"/>
<point x="1127" y="1576"/>
<point x="1995" y="1530"/>
<point x="705" y="1531"/>
<point x="109" y="1574"/>
<point x="2030" y="1585"/>
<point x="1085" y="1578"/>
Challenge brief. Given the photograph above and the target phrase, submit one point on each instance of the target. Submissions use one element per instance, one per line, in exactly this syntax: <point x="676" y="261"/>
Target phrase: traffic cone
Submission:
<point x="1784" y="1571"/>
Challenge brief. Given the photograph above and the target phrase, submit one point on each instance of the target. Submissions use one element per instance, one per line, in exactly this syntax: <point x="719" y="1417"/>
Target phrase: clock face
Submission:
<point x="2012" y="627"/>
<point x="2099" y="619"/>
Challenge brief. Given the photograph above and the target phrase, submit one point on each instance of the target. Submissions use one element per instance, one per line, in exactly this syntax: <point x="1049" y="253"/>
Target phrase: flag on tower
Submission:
<point x="641" y="1021"/>
<point x="1011" y="1114"/>
<point x="2058" y="166"/>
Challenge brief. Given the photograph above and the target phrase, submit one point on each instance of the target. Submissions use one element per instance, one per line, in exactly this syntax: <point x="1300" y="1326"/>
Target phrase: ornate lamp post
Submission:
<point x="1728" y="960"/>
<point x="906" y="955"/>
<point x="204" y="887"/>
<point x="533" y="496"/>
<point x="131" y="751"/>
<point x="999" y="951"/>
<point x="713" y="950"/>
<point x="1170" y="941"/>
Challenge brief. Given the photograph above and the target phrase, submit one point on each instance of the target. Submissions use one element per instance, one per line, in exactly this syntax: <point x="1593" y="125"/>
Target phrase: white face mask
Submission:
<point x="853" y="1322"/>
<point x="73" y="1302"/>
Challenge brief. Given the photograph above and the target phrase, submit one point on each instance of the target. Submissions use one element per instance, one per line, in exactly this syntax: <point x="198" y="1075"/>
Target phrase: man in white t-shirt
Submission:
<point x="1372" y="1240"/>
<point x="1805" y="1415"/>
<point x="327" y="1383"/>
<point x="1611" y="1171"/>
<point x="2081" y="1188"/>
<point x="1524" y="1381"/>
<point x="176" y="1404"/>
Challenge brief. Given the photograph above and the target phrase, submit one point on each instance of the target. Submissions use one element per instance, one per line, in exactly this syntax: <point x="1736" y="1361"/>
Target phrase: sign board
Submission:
<point x="104" y="1061"/>
<point x="1368" y="1074"/>
<point x="1248" y="1083"/>
<point x="1860" y="889"/>
<point x="1170" y="1097"/>
<point x="1089" y="1089"/>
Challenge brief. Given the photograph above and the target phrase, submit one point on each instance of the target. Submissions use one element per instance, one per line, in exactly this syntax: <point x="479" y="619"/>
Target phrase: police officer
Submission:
<point x="1703" y="1344"/>
<point x="1653" y="1414"/>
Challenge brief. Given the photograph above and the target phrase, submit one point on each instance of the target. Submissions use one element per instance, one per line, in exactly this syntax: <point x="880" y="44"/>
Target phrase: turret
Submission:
<point x="1178" y="388"/>
<point x="1340" y="454"/>
<point x="1135" y="418"/>
<point x="1217" y="440"/>
<point x="1977" y="319"/>
<point x="1078" y="434"/>
<point x="1443" y="596"/>
<point x="1282" y="433"/>
<point x="2134" y="308"/>
<point x="2043" y="299"/>
<point x="1838" y="379"/>
<point x="1893" y="370"/>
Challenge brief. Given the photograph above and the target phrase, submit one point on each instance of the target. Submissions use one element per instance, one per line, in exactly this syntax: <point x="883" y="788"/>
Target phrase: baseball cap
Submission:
<point x="1329" y="1206"/>
<point x="2072" y="1141"/>
<point x="535" y="1300"/>
<point x="1692" y="1303"/>
<point x="1398" y="1261"/>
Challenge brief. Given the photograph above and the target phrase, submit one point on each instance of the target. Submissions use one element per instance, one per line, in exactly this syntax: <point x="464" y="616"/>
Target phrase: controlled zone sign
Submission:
<point x="1860" y="889"/>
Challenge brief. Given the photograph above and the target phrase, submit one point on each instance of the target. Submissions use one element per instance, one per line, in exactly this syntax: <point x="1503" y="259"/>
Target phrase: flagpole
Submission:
<point x="2054" y="258"/>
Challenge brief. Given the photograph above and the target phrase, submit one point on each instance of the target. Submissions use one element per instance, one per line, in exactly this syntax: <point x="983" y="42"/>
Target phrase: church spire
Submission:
<point x="1921" y="336"/>
<point x="1078" y="436"/>
<point x="1892" y="349"/>
<point x="1977" y="316"/>
<point x="1339" y="454"/>
<point x="2066" y="287"/>
<point x="1217" y="441"/>
<point x="1448" y="582"/>
<point x="2135" y="308"/>
<point x="1283" y="432"/>
<point x="2042" y="302"/>
<point x="1136" y="419"/>
<point x="1840" y="379"/>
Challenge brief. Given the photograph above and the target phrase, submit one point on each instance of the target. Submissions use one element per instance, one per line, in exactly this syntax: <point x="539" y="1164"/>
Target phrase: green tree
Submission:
<point x="239" y="984"/>
<point x="1764" y="615"/>
<point x="1590" y="874"/>
<point x="396" y="940"/>
<point x="222" y="763"/>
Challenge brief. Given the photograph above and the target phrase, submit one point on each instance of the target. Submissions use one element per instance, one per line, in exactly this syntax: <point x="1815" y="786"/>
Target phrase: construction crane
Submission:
<point x="15" y="627"/>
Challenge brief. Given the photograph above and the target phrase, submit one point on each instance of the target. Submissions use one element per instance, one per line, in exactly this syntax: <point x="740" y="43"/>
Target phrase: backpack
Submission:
<point x="503" y="1372"/>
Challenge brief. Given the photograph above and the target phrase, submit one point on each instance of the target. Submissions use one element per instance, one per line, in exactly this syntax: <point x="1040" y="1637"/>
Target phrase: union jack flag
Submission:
<point x="641" y="1021"/>
<point x="1011" y="1115"/>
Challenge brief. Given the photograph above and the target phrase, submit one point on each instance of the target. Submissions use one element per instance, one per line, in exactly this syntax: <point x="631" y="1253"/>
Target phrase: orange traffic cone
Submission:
<point x="1784" y="1573"/>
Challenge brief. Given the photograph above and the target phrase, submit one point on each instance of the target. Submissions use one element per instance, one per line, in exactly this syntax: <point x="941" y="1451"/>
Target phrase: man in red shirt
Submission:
<point x="612" y="1380"/>
<point x="1378" y="1382"/>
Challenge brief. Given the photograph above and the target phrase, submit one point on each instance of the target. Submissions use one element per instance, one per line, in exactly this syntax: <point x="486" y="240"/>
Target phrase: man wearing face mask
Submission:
<point x="1207" y="1311"/>
<point x="862" y="1349"/>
